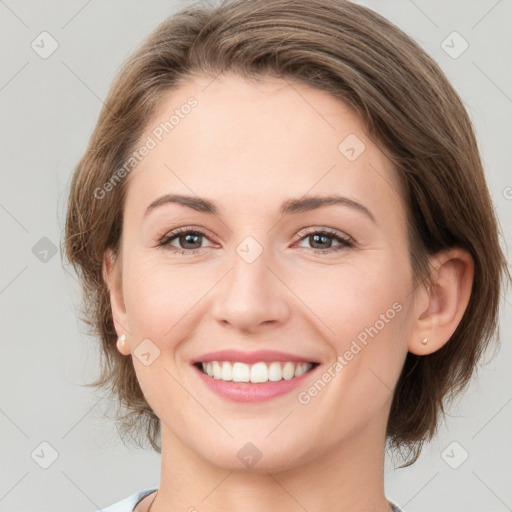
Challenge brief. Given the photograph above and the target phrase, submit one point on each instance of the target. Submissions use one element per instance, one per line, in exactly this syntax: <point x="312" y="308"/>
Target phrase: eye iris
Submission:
<point x="324" y="239"/>
<point x="184" y="239"/>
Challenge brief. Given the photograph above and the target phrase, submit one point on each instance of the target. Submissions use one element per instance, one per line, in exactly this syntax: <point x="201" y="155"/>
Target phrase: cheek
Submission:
<point x="363" y="316"/>
<point x="348" y="298"/>
<point x="158" y="297"/>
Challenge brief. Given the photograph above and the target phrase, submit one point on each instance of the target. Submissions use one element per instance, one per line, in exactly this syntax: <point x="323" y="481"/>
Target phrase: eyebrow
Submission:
<point x="288" y="207"/>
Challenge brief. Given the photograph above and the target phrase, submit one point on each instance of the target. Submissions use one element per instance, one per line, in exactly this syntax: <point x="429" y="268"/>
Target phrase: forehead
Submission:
<point x="258" y="143"/>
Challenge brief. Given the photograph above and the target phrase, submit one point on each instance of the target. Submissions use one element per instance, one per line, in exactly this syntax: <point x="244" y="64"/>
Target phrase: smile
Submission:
<point x="259" y="372"/>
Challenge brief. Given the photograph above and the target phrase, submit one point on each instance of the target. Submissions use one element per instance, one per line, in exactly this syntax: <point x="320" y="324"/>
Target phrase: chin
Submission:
<point x="256" y="457"/>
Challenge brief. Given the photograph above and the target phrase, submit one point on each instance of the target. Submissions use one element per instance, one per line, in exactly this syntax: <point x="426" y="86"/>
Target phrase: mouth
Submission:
<point x="257" y="373"/>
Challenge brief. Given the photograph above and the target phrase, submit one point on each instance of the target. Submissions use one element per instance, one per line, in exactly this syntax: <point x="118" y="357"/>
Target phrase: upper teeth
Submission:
<point x="259" y="372"/>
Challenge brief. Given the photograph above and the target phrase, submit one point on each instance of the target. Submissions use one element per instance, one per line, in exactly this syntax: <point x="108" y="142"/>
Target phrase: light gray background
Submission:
<point x="48" y="111"/>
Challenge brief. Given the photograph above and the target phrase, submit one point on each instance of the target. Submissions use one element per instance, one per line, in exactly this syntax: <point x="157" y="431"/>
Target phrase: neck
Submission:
<point x="348" y="477"/>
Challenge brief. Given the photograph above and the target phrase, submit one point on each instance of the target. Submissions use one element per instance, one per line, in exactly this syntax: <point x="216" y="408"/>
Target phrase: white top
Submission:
<point x="128" y="504"/>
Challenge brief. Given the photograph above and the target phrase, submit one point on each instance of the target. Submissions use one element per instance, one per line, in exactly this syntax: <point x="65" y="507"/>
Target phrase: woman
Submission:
<point x="288" y="250"/>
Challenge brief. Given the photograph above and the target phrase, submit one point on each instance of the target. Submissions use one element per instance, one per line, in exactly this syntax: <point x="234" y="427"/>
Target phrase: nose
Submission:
<point x="252" y="297"/>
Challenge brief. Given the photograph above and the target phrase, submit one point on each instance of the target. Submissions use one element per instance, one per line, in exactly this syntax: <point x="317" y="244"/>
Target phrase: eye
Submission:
<point x="189" y="240"/>
<point x="322" y="241"/>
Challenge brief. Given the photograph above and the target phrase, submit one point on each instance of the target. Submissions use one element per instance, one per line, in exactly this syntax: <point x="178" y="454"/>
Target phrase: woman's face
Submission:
<point x="260" y="274"/>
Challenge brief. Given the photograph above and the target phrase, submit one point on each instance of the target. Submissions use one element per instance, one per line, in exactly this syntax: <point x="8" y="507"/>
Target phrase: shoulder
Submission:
<point x="127" y="504"/>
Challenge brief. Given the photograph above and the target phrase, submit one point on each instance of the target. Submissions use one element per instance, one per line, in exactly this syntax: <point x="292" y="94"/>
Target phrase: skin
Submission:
<point x="249" y="147"/>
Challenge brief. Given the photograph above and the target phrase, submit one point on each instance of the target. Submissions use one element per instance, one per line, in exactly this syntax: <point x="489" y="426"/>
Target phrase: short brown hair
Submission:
<point x="408" y="108"/>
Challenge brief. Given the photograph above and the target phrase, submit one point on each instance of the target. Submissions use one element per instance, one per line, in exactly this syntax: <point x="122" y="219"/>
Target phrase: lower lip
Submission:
<point x="250" y="392"/>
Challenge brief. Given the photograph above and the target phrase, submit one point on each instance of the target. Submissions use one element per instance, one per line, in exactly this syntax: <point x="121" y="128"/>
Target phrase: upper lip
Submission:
<point x="251" y="357"/>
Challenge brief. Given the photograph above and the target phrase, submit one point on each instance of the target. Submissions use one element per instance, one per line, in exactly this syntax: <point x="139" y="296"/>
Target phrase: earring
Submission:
<point x="121" y="340"/>
<point x="424" y="341"/>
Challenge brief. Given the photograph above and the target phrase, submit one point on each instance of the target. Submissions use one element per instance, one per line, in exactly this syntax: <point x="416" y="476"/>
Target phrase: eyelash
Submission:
<point x="164" y="242"/>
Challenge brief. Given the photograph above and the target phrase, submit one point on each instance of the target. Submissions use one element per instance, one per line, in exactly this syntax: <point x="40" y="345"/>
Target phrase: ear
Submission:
<point x="112" y="276"/>
<point x="439" y="310"/>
